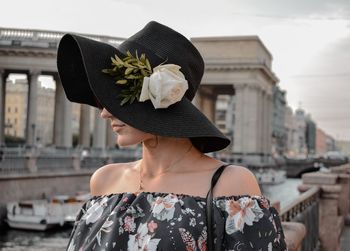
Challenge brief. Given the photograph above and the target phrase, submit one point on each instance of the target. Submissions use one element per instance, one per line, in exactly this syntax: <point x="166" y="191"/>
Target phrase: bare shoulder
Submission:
<point x="237" y="180"/>
<point x="102" y="178"/>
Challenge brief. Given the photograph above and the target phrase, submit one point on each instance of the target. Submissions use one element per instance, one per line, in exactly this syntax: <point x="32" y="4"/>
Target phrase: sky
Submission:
<point x="309" y="40"/>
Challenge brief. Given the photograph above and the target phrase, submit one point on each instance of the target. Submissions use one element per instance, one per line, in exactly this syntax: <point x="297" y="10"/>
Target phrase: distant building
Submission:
<point x="321" y="142"/>
<point x="45" y="115"/>
<point x="301" y="132"/>
<point x="225" y="115"/>
<point x="16" y="108"/>
<point x="331" y="143"/>
<point x="344" y="146"/>
<point x="279" y="131"/>
<point x="310" y="135"/>
<point x="16" y="112"/>
<point x="290" y="123"/>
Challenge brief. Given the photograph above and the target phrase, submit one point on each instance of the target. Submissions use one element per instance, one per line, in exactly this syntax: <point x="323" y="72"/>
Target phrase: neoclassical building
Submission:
<point x="234" y="66"/>
<point x="240" y="66"/>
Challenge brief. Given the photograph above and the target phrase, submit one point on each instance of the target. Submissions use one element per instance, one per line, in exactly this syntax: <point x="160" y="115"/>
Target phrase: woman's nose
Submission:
<point x="105" y="114"/>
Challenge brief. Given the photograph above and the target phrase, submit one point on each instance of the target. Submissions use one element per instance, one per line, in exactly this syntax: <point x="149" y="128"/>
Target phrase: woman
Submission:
<point x="174" y="197"/>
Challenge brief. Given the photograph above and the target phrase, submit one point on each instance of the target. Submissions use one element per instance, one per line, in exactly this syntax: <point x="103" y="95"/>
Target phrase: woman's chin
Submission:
<point x="123" y="143"/>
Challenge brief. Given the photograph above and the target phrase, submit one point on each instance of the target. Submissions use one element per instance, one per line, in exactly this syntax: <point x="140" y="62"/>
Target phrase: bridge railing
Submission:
<point x="305" y="209"/>
<point x="11" y="37"/>
<point x="36" y="160"/>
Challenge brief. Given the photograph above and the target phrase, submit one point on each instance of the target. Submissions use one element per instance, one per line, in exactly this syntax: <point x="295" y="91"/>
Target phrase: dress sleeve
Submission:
<point x="78" y="217"/>
<point x="251" y="224"/>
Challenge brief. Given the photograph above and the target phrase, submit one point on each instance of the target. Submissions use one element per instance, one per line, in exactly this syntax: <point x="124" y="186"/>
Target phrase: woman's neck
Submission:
<point x="167" y="155"/>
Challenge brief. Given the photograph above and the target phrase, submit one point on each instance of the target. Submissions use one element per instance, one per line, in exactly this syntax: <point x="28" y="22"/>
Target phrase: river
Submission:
<point x="15" y="240"/>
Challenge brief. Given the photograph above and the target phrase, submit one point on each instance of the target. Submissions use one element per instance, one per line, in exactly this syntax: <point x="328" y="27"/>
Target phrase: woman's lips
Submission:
<point x="117" y="127"/>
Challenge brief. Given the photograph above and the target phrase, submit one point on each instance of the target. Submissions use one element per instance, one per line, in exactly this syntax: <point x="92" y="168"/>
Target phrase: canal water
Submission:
<point x="15" y="240"/>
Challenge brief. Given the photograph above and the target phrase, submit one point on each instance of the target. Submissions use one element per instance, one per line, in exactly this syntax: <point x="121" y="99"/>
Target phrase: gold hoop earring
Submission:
<point x="156" y="143"/>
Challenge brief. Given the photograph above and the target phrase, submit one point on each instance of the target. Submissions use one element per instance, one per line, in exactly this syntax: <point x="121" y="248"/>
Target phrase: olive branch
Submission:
<point x="130" y="71"/>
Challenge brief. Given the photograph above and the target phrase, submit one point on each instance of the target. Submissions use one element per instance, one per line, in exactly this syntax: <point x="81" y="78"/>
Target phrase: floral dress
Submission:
<point x="166" y="221"/>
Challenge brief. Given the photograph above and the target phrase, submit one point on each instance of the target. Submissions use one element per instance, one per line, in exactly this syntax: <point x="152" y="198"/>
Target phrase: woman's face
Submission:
<point x="127" y="135"/>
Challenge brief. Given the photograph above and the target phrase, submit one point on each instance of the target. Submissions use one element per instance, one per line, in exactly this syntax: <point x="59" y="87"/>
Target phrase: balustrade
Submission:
<point x="19" y="161"/>
<point x="304" y="209"/>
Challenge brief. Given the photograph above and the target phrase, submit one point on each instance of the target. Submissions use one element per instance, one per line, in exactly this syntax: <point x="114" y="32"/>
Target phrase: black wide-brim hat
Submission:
<point x="80" y="62"/>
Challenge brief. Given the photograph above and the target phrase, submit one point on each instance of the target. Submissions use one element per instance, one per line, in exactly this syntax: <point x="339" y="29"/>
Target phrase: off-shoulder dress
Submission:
<point x="167" y="221"/>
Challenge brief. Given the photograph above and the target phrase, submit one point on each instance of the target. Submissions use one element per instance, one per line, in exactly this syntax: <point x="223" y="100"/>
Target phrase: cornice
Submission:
<point x="241" y="66"/>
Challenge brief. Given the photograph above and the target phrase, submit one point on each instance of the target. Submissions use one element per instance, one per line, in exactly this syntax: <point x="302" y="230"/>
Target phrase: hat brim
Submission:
<point x="80" y="62"/>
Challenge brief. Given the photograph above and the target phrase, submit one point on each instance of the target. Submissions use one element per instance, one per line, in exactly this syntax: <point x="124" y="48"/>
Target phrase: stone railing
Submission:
<point x="57" y="160"/>
<point x="11" y="37"/>
<point x="300" y="221"/>
<point x="334" y="203"/>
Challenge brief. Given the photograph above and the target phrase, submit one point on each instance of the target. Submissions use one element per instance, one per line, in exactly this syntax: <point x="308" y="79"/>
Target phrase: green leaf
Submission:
<point x="144" y="73"/>
<point x="114" y="61"/>
<point x="148" y="65"/>
<point x="129" y="54"/>
<point x="122" y="81"/>
<point x="143" y="58"/>
<point x="128" y="71"/>
<point x="126" y="99"/>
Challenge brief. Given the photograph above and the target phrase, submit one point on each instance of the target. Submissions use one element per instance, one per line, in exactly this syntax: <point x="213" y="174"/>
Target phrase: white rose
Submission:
<point x="166" y="86"/>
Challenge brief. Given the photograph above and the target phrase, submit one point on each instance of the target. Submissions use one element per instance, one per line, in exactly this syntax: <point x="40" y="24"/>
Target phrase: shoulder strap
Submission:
<point x="209" y="211"/>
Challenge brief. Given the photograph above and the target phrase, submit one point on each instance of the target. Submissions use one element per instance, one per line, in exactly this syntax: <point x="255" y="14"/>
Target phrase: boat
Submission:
<point x="70" y="205"/>
<point x="42" y="215"/>
<point x="270" y="176"/>
<point x="34" y="215"/>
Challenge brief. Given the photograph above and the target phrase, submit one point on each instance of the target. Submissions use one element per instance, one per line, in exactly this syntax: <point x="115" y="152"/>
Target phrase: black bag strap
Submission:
<point x="209" y="211"/>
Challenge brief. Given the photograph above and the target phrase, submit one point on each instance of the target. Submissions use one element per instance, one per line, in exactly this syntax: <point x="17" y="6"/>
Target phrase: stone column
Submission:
<point x="31" y="125"/>
<point x="269" y="126"/>
<point x="207" y="102"/>
<point x="197" y="100"/>
<point x="208" y="108"/>
<point x="263" y="128"/>
<point x="260" y="122"/>
<point x="247" y="122"/>
<point x="3" y="79"/>
<point x="67" y="123"/>
<point x="267" y="106"/>
<point x="99" y="136"/>
<point x="84" y="130"/>
<point x="63" y="117"/>
<point x="58" y="117"/>
<point x="239" y="144"/>
<point x="111" y="136"/>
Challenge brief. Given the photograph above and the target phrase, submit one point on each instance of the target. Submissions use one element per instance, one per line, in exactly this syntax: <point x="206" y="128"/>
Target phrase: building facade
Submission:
<point x="16" y="104"/>
<point x="225" y="115"/>
<point x="279" y="131"/>
<point x="310" y="135"/>
<point x="16" y="108"/>
<point x="321" y="142"/>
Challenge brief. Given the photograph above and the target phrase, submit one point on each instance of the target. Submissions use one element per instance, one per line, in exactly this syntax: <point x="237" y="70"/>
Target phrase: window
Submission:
<point x="16" y="110"/>
<point x="9" y="109"/>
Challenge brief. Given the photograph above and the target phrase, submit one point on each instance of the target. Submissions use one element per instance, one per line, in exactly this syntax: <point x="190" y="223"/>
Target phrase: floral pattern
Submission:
<point x="164" y="221"/>
<point x="243" y="211"/>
